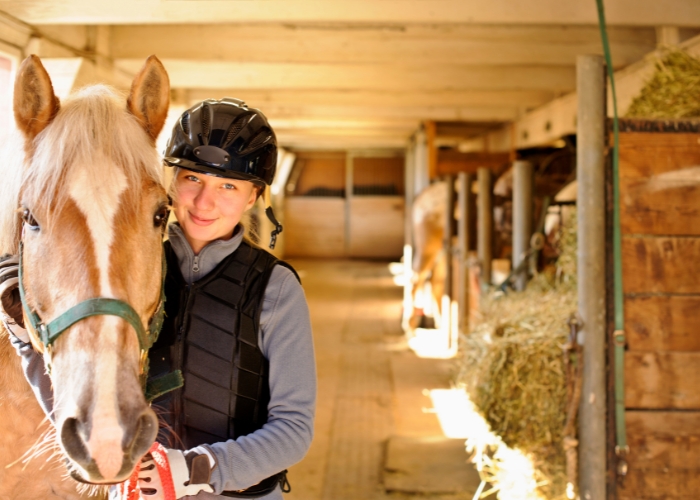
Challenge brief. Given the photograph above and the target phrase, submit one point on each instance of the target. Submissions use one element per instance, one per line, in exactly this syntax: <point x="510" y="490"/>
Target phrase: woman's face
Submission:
<point x="209" y="207"/>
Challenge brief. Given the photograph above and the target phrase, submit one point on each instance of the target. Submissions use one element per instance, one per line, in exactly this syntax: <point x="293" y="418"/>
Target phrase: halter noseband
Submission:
<point x="103" y="306"/>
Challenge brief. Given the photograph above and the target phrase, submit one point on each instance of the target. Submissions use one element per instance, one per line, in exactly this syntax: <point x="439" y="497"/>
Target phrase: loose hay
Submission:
<point x="512" y="368"/>
<point x="673" y="91"/>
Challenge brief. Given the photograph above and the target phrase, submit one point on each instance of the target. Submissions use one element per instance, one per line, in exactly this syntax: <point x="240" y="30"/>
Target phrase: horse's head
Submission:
<point x="94" y="206"/>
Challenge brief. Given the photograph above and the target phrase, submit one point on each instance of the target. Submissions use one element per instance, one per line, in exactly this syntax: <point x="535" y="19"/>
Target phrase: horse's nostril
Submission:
<point x="73" y="439"/>
<point x="144" y="435"/>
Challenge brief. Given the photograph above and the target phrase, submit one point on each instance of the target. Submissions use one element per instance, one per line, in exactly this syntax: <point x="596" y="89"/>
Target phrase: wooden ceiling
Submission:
<point x="349" y="73"/>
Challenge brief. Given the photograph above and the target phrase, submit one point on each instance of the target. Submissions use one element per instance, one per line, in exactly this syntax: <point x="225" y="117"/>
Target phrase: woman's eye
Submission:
<point x="192" y="178"/>
<point x="160" y="217"/>
<point x="29" y="220"/>
<point x="229" y="186"/>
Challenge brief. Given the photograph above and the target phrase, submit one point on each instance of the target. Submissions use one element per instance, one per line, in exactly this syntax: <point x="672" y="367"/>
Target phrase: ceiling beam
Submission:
<point x="436" y="44"/>
<point x="545" y="12"/>
<point x="550" y="122"/>
<point x="400" y="76"/>
<point x="377" y="98"/>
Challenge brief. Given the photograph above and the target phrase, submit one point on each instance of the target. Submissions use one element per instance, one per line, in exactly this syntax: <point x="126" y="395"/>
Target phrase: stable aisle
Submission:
<point x="370" y="386"/>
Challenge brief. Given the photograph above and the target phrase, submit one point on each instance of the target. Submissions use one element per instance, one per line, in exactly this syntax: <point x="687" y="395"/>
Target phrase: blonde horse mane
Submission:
<point x="93" y="119"/>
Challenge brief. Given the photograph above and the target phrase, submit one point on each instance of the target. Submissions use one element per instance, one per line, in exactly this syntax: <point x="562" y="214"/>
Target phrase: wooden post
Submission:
<point x="522" y="218"/>
<point x="409" y="196"/>
<point x="485" y="224"/>
<point x="590" y="158"/>
<point x="430" y="136"/>
<point x="448" y="297"/>
<point x="465" y="208"/>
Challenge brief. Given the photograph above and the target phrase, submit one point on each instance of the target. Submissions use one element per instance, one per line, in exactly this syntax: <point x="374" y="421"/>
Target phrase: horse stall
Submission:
<point x="345" y="204"/>
<point x="660" y="224"/>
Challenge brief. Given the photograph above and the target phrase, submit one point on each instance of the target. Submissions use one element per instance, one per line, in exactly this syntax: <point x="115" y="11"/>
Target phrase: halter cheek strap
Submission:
<point x="46" y="334"/>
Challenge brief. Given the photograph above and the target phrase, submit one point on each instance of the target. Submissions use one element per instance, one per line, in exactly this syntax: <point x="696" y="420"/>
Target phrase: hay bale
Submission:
<point x="673" y="91"/>
<point x="512" y="368"/>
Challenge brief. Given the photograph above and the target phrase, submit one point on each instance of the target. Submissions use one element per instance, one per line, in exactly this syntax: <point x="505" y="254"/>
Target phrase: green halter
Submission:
<point x="102" y="306"/>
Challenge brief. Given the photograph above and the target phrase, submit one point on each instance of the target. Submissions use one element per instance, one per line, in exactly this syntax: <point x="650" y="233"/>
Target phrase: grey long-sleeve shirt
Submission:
<point x="285" y="340"/>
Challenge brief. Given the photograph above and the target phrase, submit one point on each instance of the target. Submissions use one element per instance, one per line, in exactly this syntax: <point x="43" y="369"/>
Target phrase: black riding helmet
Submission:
<point x="227" y="139"/>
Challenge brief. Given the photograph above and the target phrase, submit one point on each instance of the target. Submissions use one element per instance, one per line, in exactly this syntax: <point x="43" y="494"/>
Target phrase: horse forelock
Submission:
<point x="93" y="131"/>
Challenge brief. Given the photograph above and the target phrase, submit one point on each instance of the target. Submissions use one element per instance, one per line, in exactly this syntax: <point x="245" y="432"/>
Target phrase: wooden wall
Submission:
<point x="361" y="220"/>
<point x="660" y="222"/>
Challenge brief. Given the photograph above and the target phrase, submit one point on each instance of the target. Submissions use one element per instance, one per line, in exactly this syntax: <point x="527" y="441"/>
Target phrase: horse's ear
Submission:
<point x="150" y="96"/>
<point x="35" y="104"/>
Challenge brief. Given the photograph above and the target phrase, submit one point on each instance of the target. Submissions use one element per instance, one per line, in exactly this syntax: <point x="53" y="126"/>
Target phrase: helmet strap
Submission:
<point x="271" y="215"/>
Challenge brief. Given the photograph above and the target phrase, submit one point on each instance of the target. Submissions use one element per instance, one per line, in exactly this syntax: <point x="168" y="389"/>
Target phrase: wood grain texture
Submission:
<point x="662" y="380"/>
<point x="314" y="227"/>
<point x="663" y="323"/>
<point x="661" y="265"/>
<point x="661" y="439"/>
<point x="376" y="226"/>
<point x="660" y="183"/>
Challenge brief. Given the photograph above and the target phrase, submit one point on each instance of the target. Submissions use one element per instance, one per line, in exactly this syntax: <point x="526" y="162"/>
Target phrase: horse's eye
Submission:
<point x="161" y="217"/>
<point x="29" y="220"/>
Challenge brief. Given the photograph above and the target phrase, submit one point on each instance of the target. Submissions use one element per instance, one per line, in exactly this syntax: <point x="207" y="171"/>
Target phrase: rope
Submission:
<point x="621" y="447"/>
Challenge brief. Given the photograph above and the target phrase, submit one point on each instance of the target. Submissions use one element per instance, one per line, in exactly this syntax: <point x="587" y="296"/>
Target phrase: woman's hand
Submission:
<point x="167" y="474"/>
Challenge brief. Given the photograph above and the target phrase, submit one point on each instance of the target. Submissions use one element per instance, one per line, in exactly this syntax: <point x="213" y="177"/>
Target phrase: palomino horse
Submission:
<point x="90" y="193"/>
<point x="429" y="261"/>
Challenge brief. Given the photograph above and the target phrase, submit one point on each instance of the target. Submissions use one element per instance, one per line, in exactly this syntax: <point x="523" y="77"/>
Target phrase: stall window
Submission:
<point x="5" y="92"/>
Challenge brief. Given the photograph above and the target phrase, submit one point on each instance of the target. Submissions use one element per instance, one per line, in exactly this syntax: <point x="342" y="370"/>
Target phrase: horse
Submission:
<point x="85" y="207"/>
<point x="429" y="264"/>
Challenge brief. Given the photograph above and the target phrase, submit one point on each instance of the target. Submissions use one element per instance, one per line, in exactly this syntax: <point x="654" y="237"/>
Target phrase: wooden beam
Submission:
<point x="400" y="76"/>
<point x="547" y="12"/>
<point x="289" y="98"/>
<point x="362" y="111"/>
<point x="425" y="44"/>
<point x="453" y="162"/>
<point x="550" y="122"/>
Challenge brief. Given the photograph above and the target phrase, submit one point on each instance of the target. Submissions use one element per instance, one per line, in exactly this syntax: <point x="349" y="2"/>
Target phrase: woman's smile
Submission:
<point x="201" y="221"/>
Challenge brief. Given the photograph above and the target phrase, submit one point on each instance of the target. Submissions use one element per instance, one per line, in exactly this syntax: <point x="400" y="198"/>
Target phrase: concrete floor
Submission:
<point x="370" y="385"/>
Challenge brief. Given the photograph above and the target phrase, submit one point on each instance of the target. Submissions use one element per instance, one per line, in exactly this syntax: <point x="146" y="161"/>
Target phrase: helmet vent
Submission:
<point x="235" y="129"/>
<point x="263" y="136"/>
<point x="206" y="126"/>
<point x="185" y="123"/>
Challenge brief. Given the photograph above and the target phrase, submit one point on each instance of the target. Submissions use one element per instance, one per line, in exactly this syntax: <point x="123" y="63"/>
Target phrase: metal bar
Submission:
<point x="522" y="218"/>
<point x="485" y="224"/>
<point x="590" y="75"/>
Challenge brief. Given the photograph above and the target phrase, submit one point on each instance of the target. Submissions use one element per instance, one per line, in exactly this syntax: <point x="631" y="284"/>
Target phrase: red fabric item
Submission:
<point x="129" y="489"/>
<point x="160" y="458"/>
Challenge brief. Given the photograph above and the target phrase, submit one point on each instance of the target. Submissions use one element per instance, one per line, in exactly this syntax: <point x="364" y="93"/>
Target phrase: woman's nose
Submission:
<point x="204" y="199"/>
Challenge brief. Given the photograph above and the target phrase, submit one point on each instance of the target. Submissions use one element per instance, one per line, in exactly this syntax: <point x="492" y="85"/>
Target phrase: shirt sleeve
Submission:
<point x="35" y="373"/>
<point x="286" y="341"/>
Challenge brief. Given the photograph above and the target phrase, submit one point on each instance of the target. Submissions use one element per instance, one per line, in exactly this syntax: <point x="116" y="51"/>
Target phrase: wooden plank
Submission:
<point x="663" y="323"/>
<point x="662" y="380"/>
<point x="660" y="183"/>
<point x="314" y="227"/>
<point x="403" y="75"/>
<point x="293" y="98"/>
<point x="461" y="44"/>
<point x="661" y="265"/>
<point x="376" y="226"/>
<point x="659" y="484"/>
<point x="663" y="439"/>
<point x="541" y="12"/>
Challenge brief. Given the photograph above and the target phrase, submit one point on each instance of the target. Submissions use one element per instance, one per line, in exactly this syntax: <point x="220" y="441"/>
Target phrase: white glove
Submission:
<point x="185" y="482"/>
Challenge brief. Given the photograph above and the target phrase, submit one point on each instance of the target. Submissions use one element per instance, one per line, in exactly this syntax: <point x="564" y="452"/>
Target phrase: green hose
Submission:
<point x="619" y="336"/>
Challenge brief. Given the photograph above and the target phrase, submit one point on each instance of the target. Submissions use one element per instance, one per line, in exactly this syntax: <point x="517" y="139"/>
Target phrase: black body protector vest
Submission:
<point x="211" y="334"/>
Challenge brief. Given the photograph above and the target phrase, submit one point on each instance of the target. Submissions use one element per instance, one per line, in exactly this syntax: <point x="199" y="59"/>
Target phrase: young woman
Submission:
<point x="237" y="324"/>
